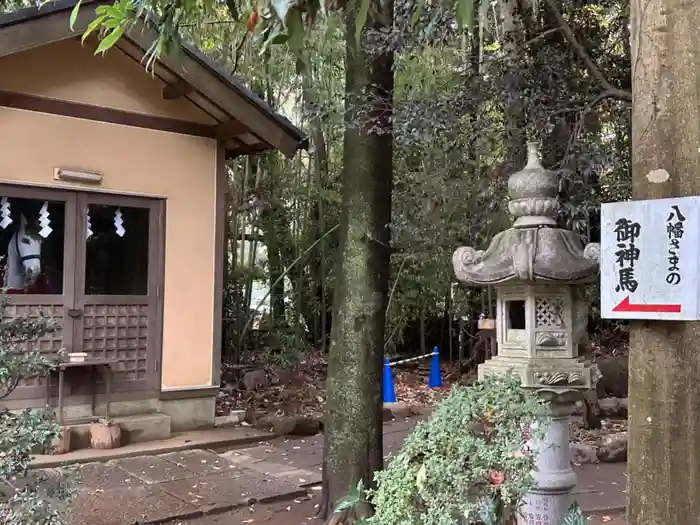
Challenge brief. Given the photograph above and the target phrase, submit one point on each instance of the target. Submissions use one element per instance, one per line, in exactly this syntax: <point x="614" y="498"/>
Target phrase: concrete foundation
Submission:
<point x="189" y="414"/>
<point x="116" y="409"/>
<point x="145" y="420"/>
<point x="135" y="429"/>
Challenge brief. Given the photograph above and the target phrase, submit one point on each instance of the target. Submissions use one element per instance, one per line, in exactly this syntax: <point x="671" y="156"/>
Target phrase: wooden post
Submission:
<point x="664" y="453"/>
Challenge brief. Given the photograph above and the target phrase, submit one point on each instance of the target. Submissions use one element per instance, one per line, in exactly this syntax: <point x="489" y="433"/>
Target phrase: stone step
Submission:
<point x="215" y="438"/>
<point x="135" y="429"/>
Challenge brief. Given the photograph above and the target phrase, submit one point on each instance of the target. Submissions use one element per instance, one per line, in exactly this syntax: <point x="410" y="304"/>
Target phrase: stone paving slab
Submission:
<point x="301" y="453"/>
<point x="129" y="506"/>
<point x="284" y="472"/>
<point x="601" y="488"/>
<point x="226" y="491"/>
<point x="178" y="485"/>
<point x="104" y="476"/>
<point x="153" y="469"/>
<point x="200" y="462"/>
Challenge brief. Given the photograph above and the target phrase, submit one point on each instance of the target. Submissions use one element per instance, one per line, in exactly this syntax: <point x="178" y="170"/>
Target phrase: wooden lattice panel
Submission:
<point x="51" y="342"/>
<point x="118" y="332"/>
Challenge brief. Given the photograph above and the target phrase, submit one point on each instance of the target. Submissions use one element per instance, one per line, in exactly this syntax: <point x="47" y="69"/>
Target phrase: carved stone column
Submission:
<point x="549" y="501"/>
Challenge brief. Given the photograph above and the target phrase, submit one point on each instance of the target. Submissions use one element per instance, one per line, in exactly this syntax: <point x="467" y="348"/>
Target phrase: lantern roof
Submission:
<point x="534" y="249"/>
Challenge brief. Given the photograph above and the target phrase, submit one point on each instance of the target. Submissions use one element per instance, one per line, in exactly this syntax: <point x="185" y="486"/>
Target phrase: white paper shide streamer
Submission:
<point x="45" y="221"/>
<point x="119" y="223"/>
<point x="5" y="219"/>
<point x="88" y="232"/>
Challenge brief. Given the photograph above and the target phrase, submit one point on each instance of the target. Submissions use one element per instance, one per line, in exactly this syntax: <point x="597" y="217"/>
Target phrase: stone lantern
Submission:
<point x="538" y="271"/>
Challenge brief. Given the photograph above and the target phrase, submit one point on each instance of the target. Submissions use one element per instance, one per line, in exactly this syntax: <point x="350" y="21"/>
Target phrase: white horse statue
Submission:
<point x="23" y="265"/>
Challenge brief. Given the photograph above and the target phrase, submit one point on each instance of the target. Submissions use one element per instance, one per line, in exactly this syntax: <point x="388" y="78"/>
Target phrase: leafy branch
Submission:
<point x="610" y="90"/>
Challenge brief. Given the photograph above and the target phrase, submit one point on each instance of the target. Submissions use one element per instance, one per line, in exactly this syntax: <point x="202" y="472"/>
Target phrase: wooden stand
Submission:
<point x="105" y="365"/>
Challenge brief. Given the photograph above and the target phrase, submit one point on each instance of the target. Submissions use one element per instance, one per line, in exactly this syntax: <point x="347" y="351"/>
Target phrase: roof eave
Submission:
<point x="279" y="133"/>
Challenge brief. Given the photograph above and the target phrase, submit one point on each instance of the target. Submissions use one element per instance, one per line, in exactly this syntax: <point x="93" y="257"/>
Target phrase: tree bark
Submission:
<point x="514" y="84"/>
<point x="353" y="430"/>
<point x="664" y="453"/>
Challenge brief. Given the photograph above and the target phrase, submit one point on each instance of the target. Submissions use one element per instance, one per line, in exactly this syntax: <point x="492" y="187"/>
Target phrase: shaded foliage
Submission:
<point x="26" y="498"/>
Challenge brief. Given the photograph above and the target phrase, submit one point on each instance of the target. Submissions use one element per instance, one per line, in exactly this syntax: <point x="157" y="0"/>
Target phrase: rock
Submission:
<point x="614" y="372"/>
<point x="590" y="399"/>
<point x="591" y="411"/>
<point x="252" y="417"/>
<point x="297" y="426"/>
<point x="61" y="443"/>
<point x="399" y="409"/>
<point x="255" y="380"/>
<point x="624" y="404"/>
<point x="263" y="422"/>
<point x="105" y="435"/>
<point x="583" y="453"/>
<point x="613" y="448"/>
<point x="387" y="415"/>
<point x="610" y="406"/>
<point x="228" y="376"/>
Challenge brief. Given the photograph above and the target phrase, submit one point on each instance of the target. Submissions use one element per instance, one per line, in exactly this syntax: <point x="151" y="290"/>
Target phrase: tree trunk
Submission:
<point x="514" y="84"/>
<point x="353" y="431"/>
<point x="664" y="454"/>
<point x="276" y="266"/>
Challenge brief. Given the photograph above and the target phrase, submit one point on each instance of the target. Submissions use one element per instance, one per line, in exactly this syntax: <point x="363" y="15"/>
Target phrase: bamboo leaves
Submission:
<point x="465" y="13"/>
<point x="283" y="21"/>
<point x="112" y="20"/>
<point x="361" y="19"/>
<point x="74" y="14"/>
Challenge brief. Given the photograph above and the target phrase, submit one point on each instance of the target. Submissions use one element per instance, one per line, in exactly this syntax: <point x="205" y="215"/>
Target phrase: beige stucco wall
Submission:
<point x="70" y="71"/>
<point x="180" y="168"/>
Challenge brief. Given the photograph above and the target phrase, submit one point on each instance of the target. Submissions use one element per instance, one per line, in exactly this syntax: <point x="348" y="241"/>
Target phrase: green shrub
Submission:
<point x="26" y="497"/>
<point x="468" y="463"/>
<point x="469" y="459"/>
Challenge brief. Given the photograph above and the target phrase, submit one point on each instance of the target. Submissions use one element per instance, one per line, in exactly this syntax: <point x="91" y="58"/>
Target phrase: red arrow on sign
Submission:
<point x="626" y="306"/>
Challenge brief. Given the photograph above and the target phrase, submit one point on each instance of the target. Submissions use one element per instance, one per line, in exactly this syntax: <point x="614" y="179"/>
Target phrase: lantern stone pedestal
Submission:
<point x="538" y="271"/>
<point x="549" y="502"/>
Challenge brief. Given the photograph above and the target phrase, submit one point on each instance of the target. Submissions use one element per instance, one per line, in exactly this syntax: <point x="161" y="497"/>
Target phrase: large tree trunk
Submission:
<point x="353" y="431"/>
<point x="664" y="461"/>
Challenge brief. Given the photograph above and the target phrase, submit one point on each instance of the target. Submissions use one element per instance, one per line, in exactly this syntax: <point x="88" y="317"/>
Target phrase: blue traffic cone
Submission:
<point x="435" y="378"/>
<point x="388" y="393"/>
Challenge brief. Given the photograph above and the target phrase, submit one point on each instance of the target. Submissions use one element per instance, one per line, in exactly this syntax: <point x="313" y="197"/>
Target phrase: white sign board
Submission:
<point x="650" y="253"/>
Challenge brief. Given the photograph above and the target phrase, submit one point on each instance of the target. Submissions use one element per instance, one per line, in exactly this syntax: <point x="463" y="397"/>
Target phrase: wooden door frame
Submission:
<point x="69" y="199"/>
<point x="156" y="271"/>
<point x="67" y="296"/>
<point x="74" y="221"/>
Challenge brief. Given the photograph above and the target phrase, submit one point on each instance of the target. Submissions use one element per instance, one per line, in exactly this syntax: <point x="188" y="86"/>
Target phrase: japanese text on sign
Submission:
<point x="649" y="259"/>
<point x="627" y="253"/>
<point x="674" y="230"/>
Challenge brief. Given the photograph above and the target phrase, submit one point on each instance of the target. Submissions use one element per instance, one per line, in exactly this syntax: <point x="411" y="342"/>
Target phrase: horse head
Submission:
<point x="27" y="243"/>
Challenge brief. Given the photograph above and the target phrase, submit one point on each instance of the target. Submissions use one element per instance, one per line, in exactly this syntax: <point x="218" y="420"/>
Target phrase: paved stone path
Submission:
<point x="601" y="488"/>
<point x="302" y="511"/>
<point x="148" y="489"/>
<point x="203" y="484"/>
